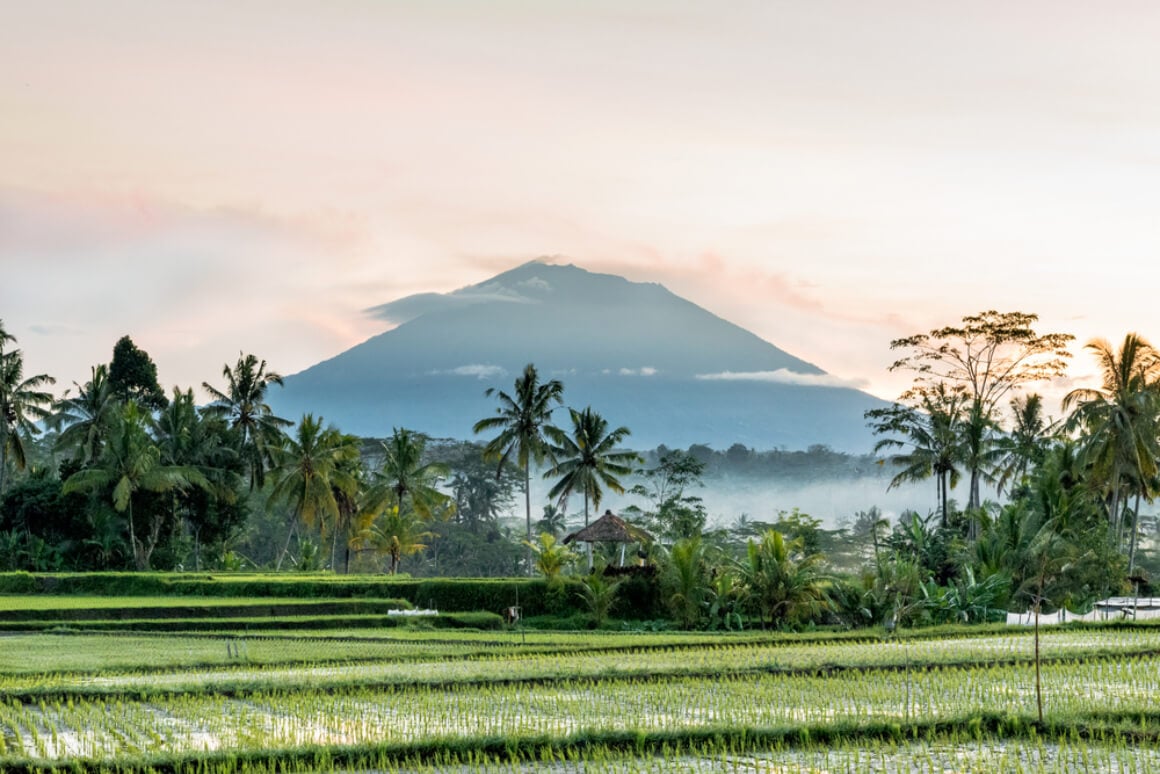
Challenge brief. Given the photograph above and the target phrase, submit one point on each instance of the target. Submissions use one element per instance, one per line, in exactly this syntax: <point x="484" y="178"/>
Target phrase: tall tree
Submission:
<point x="1120" y="419"/>
<point x="243" y="405"/>
<point x="1026" y="445"/>
<point x="131" y="463"/>
<point x="191" y="439"/>
<point x="672" y="513"/>
<point x="554" y="521"/>
<point x="522" y="420"/>
<point x="407" y="480"/>
<point x="587" y="460"/>
<point x="984" y="358"/>
<point x="312" y="465"/>
<point x="404" y="498"/>
<point x="23" y="402"/>
<point x="930" y="437"/>
<point x="85" y="419"/>
<point x="133" y="376"/>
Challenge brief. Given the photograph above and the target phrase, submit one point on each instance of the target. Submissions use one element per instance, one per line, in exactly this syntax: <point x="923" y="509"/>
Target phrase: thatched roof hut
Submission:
<point x="610" y="528"/>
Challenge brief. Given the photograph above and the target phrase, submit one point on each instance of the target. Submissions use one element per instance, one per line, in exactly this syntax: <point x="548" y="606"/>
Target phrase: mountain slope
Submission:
<point x="671" y="371"/>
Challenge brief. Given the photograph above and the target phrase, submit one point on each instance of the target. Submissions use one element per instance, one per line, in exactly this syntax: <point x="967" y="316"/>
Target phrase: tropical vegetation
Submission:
<point x="115" y="474"/>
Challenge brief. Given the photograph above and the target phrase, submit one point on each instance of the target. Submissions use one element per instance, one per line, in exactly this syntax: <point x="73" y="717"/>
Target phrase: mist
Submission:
<point x="834" y="502"/>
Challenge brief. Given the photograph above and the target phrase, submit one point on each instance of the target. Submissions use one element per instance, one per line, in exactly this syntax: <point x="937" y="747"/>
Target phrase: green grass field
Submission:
<point x="415" y="697"/>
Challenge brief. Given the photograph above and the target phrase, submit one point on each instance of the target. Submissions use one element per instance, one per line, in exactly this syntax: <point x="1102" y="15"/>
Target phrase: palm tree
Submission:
<point x="86" y="418"/>
<point x="188" y="438"/>
<point x="522" y="419"/>
<point x="552" y="556"/>
<point x="313" y="464"/>
<point x="588" y="460"/>
<point x="1120" y="418"/>
<point x="243" y="405"/>
<point x="783" y="582"/>
<point x="979" y="450"/>
<point x="392" y="531"/>
<point x="23" y="402"/>
<point x="554" y="521"/>
<point x="933" y="433"/>
<point x="132" y="463"/>
<point x="403" y="497"/>
<point x="685" y="581"/>
<point x="348" y="490"/>
<point x="405" y="480"/>
<point x="1026" y="445"/>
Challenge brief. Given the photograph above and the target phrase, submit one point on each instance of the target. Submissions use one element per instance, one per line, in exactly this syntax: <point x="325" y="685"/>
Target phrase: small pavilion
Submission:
<point x="609" y="528"/>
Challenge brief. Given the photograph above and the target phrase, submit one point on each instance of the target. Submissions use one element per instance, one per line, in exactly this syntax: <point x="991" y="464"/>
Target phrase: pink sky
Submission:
<point x="215" y="178"/>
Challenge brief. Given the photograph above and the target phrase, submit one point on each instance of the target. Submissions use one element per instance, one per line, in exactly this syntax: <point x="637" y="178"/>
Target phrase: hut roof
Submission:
<point x="609" y="528"/>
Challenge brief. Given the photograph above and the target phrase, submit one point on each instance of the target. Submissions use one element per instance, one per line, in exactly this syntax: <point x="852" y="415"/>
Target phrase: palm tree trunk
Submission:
<point x="973" y="498"/>
<point x="590" y="560"/>
<point x="1135" y="531"/>
<point x="136" y="546"/>
<point x="1114" y="510"/>
<point x="334" y="549"/>
<point x="528" y="514"/>
<point x="289" y="537"/>
<point x="942" y="491"/>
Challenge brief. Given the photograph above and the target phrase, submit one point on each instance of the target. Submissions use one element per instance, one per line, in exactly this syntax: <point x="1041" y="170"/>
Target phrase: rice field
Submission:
<point x="420" y="700"/>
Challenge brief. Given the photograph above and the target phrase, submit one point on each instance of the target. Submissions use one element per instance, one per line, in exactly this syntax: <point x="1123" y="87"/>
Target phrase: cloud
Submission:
<point x="785" y="376"/>
<point x="411" y="307"/>
<point x="645" y="371"/>
<point x="537" y="284"/>
<point x="56" y="330"/>
<point x="477" y="370"/>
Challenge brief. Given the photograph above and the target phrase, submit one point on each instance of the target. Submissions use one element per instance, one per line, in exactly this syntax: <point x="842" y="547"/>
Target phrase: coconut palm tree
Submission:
<point x="1120" y="419"/>
<point x="932" y="437"/>
<point x="23" y="402"/>
<point x="979" y="451"/>
<point x="312" y="465"/>
<point x="186" y="437"/>
<point x="85" y="419"/>
<point x="522" y="420"/>
<point x="1026" y="445"/>
<point x="554" y="521"/>
<point x="403" y="497"/>
<point x="243" y="405"/>
<point x="405" y="480"/>
<point x="587" y="460"/>
<point x="393" y="531"/>
<point x="131" y="463"/>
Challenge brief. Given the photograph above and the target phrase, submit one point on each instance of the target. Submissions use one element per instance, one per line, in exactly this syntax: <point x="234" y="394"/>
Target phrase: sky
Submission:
<point x="217" y="178"/>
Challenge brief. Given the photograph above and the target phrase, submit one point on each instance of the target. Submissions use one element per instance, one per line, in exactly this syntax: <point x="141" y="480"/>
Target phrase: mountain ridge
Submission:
<point x="672" y="371"/>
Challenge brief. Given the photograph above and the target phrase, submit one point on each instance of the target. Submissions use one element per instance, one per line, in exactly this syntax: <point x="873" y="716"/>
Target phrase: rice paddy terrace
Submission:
<point x="287" y="685"/>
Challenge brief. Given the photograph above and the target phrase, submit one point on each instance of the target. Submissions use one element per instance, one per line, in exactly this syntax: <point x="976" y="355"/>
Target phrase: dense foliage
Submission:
<point x="115" y="475"/>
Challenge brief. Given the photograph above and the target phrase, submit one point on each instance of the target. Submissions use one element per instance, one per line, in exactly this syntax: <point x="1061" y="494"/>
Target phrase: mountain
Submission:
<point x="672" y="372"/>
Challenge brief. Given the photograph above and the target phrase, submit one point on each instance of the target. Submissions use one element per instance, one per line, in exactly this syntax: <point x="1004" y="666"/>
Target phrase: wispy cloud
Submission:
<point x="645" y="371"/>
<point x="785" y="376"/>
<point x="477" y="370"/>
<point x="408" y="308"/>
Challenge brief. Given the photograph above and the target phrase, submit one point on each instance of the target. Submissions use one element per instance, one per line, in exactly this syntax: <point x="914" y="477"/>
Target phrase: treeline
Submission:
<point x="818" y="463"/>
<point x="117" y="474"/>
